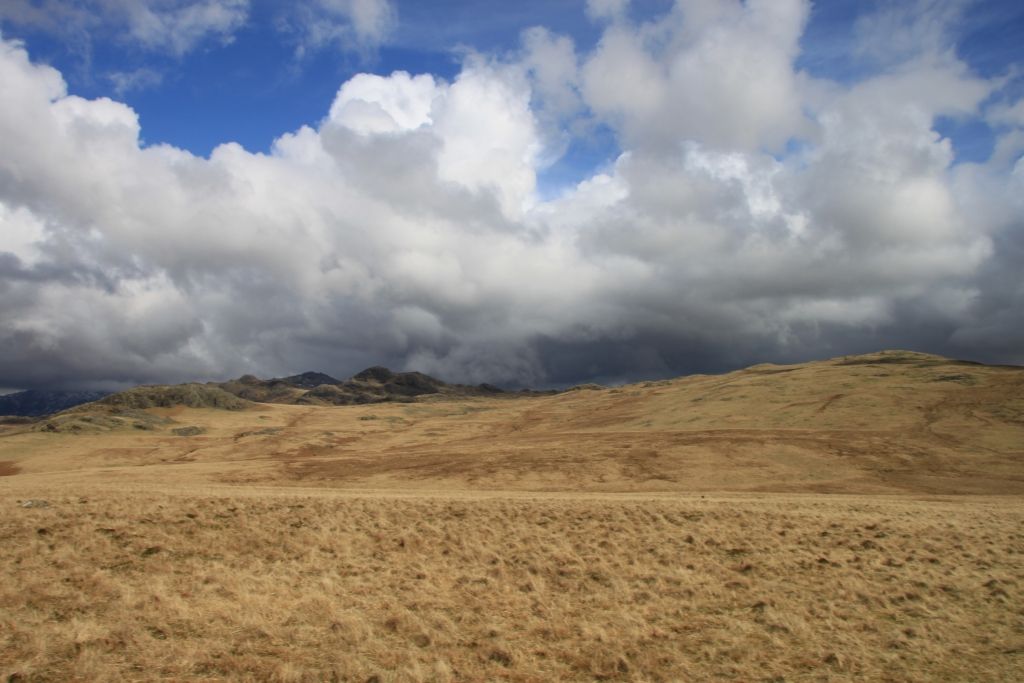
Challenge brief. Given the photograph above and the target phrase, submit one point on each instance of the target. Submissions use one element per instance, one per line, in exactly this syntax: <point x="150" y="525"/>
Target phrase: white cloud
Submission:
<point x="607" y="9"/>
<point x="551" y="61"/>
<point x="371" y="19"/>
<point x="371" y="104"/>
<point x="170" y="26"/>
<point x="488" y="136"/>
<point x="23" y="234"/>
<point x="406" y="229"/>
<point x="1008" y="120"/>
<point x="896" y="32"/>
<point x="134" y="80"/>
<point x="178" y="27"/>
<point x="1007" y="114"/>
<point x="348" y="25"/>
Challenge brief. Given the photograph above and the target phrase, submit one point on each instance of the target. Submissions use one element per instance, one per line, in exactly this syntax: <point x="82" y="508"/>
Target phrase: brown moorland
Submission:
<point x="852" y="519"/>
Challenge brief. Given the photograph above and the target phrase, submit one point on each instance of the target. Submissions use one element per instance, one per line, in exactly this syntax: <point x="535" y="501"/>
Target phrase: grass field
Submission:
<point x="858" y="519"/>
<point x="311" y="586"/>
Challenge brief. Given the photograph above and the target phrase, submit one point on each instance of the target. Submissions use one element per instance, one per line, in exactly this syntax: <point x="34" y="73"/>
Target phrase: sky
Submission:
<point x="529" y="194"/>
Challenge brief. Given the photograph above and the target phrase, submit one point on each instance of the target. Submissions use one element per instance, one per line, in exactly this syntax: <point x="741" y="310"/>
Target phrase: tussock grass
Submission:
<point x="250" y="585"/>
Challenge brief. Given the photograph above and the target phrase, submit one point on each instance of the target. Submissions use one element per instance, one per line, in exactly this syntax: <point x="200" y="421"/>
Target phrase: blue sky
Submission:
<point x="602" y="190"/>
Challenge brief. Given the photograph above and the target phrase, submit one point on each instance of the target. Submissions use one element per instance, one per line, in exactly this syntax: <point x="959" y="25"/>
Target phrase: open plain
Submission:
<point x="852" y="519"/>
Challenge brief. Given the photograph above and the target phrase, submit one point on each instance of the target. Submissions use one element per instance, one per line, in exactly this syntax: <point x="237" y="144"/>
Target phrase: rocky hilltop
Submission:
<point x="188" y="395"/>
<point x="373" y="385"/>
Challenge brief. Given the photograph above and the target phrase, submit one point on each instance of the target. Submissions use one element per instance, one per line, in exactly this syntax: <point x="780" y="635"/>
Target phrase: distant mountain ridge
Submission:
<point x="376" y="384"/>
<point x="129" y="409"/>
<point x="35" y="403"/>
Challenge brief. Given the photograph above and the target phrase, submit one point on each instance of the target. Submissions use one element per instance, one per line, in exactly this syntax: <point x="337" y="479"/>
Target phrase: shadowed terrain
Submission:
<point x="852" y="519"/>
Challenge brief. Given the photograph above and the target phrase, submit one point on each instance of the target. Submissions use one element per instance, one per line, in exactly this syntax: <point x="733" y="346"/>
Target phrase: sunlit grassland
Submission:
<point x="122" y="585"/>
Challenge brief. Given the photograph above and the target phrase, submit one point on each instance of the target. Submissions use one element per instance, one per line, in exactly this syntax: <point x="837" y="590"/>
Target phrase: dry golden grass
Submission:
<point x="122" y="585"/>
<point x="801" y="523"/>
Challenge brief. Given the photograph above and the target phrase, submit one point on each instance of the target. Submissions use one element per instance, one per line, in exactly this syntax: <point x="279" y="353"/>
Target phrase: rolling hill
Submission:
<point x="887" y="422"/>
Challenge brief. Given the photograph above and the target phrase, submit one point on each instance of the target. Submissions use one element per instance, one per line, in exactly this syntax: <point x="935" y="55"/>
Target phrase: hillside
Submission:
<point x="886" y="422"/>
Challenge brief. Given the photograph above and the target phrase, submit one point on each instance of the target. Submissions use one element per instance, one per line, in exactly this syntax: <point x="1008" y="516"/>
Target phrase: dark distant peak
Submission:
<point x="249" y="379"/>
<point x="377" y="373"/>
<point x="309" y="380"/>
<point x="490" y="388"/>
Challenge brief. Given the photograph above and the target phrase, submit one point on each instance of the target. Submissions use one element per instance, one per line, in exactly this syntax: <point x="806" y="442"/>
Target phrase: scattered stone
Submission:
<point x="34" y="503"/>
<point x="191" y="430"/>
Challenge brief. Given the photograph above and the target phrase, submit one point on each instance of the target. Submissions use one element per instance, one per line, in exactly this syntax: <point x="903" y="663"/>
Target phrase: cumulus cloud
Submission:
<point x="754" y="213"/>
